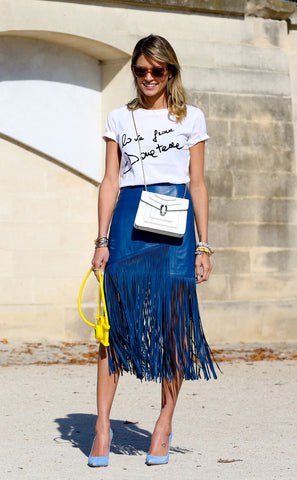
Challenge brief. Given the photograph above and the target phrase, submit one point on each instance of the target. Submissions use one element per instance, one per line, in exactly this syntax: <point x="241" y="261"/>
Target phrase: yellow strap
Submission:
<point x="79" y="299"/>
<point x="102" y="327"/>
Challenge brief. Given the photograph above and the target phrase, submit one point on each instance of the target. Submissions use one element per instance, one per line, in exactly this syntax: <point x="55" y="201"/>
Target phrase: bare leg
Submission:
<point x="160" y="437"/>
<point x="106" y="388"/>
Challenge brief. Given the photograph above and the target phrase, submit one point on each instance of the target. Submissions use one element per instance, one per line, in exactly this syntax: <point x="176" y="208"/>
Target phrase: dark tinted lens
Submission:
<point x="156" y="71"/>
<point x="139" y="71"/>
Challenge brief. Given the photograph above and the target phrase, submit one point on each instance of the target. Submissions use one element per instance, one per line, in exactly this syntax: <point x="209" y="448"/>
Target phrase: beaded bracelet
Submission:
<point x="203" y="248"/>
<point x="101" y="242"/>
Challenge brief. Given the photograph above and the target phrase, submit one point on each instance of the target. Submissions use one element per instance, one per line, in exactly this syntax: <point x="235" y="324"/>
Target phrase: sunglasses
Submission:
<point x="157" y="72"/>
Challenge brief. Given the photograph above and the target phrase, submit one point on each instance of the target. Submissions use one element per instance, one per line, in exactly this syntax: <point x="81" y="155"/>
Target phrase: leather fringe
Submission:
<point x="156" y="330"/>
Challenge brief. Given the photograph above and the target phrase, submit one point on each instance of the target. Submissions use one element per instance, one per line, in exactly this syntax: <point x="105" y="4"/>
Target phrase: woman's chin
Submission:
<point x="150" y="92"/>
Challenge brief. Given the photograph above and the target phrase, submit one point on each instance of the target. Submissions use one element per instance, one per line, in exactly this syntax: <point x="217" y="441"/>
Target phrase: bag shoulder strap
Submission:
<point x="140" y="155"/>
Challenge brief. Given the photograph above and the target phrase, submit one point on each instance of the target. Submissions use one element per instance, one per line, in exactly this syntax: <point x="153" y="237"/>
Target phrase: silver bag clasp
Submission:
<point x="163" y="210"/>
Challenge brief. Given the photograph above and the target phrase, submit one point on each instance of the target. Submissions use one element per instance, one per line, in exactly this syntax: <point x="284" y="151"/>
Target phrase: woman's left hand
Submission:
<point x="202" y="267"/>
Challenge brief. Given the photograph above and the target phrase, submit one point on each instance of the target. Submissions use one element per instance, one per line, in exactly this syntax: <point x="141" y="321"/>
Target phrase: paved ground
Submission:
<point x="239" y="427"/>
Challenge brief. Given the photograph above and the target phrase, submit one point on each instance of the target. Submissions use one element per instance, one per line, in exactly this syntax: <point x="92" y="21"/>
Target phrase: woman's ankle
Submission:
<point x="102" y="425"/>
<point x="163" y="426"/>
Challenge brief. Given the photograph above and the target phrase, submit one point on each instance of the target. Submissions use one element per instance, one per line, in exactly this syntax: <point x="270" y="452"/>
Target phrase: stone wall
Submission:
<point x="242" y="73"/>
<point x="48" y="216"/>
<point x="251" y="176"/>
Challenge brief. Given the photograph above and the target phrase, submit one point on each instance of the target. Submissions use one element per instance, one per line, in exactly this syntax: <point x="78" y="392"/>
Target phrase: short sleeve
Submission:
<point x="198" y="133"/>
<point x="110" y="127"/>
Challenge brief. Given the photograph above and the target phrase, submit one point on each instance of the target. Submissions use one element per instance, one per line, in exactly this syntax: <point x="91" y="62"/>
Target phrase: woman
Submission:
<point x="150" y="278"/>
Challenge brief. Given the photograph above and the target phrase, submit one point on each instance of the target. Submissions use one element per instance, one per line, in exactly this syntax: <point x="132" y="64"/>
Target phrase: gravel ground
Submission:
<point x="38" y="353"/>
<point x="239" y="427"/>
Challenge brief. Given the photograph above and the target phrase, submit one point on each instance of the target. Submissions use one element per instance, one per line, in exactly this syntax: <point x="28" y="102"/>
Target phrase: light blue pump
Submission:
<point x="159" y="460"/>
<point x="100" y="461"/>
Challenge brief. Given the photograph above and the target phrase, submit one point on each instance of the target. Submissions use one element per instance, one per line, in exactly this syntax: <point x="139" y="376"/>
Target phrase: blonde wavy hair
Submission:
<point x="159" y="49"/>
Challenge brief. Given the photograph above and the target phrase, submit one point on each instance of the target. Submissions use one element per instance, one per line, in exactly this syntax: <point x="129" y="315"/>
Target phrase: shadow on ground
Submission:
<point x="128" y="439"/>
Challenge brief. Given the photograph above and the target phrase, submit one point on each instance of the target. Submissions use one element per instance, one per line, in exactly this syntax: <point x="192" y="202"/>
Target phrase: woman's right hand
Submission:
<point x="100" y="260"/>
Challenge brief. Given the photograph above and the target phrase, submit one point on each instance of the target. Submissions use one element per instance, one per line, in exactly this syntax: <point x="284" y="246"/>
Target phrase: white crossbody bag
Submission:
<point x="157" y="213"/>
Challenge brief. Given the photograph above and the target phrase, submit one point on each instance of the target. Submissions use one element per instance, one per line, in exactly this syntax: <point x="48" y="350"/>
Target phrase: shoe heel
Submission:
<point x="159" y="460"/>
<point x="100" y="461"/>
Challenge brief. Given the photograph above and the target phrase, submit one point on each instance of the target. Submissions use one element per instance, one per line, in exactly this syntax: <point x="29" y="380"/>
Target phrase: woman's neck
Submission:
<point x="152" y="103"/>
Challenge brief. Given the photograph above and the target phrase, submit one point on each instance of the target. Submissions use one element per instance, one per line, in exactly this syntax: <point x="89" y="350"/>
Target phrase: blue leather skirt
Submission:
<point x="151" y="297"/>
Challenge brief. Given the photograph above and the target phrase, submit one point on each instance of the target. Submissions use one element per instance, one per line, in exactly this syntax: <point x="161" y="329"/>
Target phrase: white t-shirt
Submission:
<point x="164" y="144"/>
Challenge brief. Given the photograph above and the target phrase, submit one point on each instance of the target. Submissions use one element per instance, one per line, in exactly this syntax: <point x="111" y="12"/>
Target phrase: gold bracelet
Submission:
<point x="100" y="238"/>
<point x="101" y="242"/>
